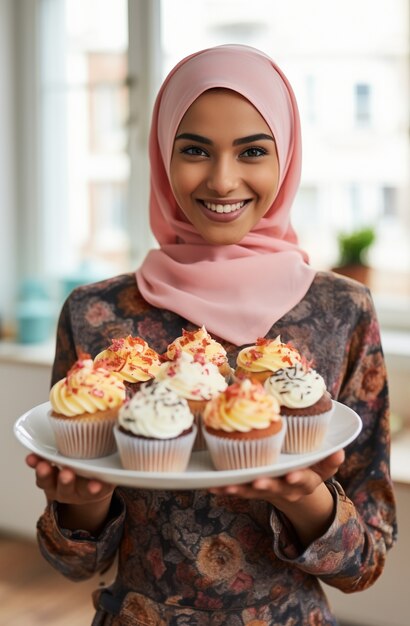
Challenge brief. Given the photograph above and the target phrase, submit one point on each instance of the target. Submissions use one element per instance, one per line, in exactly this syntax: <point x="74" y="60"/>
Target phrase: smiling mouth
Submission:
<point x="226" y="207"/>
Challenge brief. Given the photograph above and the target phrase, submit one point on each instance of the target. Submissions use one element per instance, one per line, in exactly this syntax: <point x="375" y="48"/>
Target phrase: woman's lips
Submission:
<point x="223" y="211"/>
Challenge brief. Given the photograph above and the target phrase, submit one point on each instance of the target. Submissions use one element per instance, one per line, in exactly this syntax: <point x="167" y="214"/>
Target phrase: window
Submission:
<point x="91" y="69"/>
<point x="84" y="102"/>
<point x="362" y="95"/>
<point x="389" y="202"/>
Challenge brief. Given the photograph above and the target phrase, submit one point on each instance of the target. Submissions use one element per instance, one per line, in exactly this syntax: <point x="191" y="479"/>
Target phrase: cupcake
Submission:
<point x="200" y="342"/>
<point x="243" y="428"/>
<point x="85" y="407"/>
<point x="305" y="405"/>
<point x="155" y="430"/>
<point x="196" y="380"/>
<point x="132" y="359"/>
<point x="257" y="362"/>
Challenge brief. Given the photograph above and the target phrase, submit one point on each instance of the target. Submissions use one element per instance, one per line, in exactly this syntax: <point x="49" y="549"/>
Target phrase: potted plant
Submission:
<point x="353" y="248"/>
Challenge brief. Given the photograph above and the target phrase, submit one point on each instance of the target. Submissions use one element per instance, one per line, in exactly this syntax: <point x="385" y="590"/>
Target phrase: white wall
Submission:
<point x="23" y="385"/>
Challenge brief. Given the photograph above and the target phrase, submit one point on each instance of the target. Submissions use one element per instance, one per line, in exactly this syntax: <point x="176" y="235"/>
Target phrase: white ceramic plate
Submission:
<point x="33" y="431"/>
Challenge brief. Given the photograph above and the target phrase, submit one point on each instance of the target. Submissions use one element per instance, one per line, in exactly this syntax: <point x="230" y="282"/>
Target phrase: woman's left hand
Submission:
<point x="301" y="495"/>
<point x="289" y="488"/>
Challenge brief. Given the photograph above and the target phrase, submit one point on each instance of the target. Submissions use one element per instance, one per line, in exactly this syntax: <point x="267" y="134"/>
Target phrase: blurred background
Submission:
<point x="78" y="82"/>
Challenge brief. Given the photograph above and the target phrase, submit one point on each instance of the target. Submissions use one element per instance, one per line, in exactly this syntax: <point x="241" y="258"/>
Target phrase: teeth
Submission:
<point x="224" y="208"/>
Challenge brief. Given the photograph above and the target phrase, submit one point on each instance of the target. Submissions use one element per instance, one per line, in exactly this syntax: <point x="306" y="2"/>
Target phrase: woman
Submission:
<point x="225" y="155"/>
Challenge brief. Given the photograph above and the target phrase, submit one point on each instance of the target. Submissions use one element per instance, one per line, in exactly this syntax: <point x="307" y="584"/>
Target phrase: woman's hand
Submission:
<point x="301" y="495"/>
<point x="84" y="503"/>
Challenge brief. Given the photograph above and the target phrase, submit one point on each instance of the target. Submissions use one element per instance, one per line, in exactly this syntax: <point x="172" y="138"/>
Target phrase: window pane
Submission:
<point x="85" y="114"/>
<point x="362" y="104"/>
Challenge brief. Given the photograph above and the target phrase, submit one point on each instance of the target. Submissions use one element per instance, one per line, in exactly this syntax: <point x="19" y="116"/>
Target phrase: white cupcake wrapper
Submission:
<point x="305" y="433"/>
<point x="83" y="439"/>
<point x="155" y="455"/>
<point x="232" y="454"/>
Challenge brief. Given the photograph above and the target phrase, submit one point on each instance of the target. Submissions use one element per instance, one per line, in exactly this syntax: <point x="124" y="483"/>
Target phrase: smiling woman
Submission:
<point x="224" y="169"/>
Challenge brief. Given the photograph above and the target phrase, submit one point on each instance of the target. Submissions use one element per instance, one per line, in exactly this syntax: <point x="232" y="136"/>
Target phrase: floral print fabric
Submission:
<point x="193" y="558"/>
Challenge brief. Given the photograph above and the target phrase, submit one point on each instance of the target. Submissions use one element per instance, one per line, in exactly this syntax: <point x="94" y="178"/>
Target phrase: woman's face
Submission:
<point x="224" y="167"/>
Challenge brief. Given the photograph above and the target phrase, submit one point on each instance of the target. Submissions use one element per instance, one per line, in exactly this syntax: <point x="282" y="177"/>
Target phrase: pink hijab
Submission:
<point x="236" y="291"/>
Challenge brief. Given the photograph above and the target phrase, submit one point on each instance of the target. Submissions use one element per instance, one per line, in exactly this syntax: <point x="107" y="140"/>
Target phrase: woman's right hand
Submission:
<point x="83" y="503"/>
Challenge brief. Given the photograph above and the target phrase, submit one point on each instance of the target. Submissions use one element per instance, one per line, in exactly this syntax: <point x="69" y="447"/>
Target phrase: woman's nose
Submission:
<point x="223" y="176"/>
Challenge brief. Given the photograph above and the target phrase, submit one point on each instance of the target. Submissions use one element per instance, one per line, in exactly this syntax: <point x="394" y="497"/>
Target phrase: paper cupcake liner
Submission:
<point x="154" y="455"/>
<point x="232" y="454"/>
<point x="305" y="433"/>
<point x="83" y="438"/>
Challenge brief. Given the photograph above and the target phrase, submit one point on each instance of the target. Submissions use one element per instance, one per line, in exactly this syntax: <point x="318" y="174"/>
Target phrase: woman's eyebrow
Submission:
<point x="236" y="142"/>
<point x="251" y="138"/>
<point x="194" y="137"/>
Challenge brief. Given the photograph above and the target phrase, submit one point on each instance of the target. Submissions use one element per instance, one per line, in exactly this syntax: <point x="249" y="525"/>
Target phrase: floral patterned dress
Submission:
<point x="193" y="558"/>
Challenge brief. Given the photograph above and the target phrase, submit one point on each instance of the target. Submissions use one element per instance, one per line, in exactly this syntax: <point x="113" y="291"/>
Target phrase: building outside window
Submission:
<point x="362" y="96"/>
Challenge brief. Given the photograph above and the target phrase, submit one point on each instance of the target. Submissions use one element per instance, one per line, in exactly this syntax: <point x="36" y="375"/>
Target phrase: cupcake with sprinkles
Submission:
<point x="155" y="430"/>
<point x="305" y="405"/>
<point x="197" y="380"/>
<point x="260" y="360"/>
<point x="85" y="406"/>
<point x="132" y="359"/>
<point x="199" y="342"/>
<point x="243" y="428"/>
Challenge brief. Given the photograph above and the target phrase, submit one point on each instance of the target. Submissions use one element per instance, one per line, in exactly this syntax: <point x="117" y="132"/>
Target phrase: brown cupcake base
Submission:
<point x="256" y="377"/>
<point x="261" y="433"/>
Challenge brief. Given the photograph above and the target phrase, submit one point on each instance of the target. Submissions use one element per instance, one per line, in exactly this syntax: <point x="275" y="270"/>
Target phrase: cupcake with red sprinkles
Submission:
<point x="196" y="380"/>
<point x="243" y="427"/>
<point x="84" y="409"/>
<point x="199" y="342"/>
<point x="132" y="359"/>
<point x="259" y="361"/>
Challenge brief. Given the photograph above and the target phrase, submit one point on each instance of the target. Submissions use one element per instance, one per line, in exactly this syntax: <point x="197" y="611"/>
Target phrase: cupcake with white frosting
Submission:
<point x="305" y="404"/>
<point x="155" y="430"/>
<point x="197" y="381"/>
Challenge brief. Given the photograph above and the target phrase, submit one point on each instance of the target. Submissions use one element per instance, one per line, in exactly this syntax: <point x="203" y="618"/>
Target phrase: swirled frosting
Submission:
<point x="192" y="377"/>
<point x="87" y="388"/>
<point x="242" y="407"/>
<point x="131" y="358"/>
<point x="198" y="341"/>
<point x="296" y="387"/>
<point x="155" y="411"/>
<point x="267" y="354"/>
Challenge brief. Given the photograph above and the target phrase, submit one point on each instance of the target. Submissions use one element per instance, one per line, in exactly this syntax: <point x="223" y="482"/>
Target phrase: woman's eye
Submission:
<point x="194" y="151"/>
<point x="253" y="152"/>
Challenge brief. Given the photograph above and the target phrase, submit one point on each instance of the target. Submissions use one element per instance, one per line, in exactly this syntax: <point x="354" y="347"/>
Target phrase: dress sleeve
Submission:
<point x="351" y="554"/>
<point x="77" y="554"/>
<point x="65" y="352"/>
